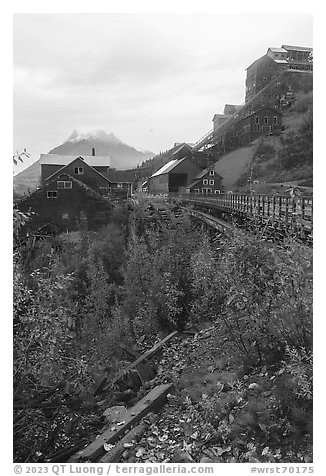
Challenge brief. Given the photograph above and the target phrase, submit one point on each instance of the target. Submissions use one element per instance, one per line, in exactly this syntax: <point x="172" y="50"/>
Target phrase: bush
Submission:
<point x="303" y="103"/>
<point x="269" y="304"/>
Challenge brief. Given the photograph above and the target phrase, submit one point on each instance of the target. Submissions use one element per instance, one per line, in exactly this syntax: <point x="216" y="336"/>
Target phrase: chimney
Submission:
<point x="93" y="151"/>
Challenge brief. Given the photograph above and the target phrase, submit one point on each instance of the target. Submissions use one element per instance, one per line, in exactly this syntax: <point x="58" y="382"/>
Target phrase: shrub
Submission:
<point x="269" y="306"/>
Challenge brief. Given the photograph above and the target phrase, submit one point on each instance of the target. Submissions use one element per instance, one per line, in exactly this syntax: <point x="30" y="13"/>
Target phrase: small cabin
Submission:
<point x="208" y="181"/>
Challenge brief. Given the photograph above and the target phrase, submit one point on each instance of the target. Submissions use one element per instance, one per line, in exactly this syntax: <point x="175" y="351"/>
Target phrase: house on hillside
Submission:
<point x="229" y="110"/>
<point x="52" y="163"/>
<point x="71" y="186"/>
<point x="173" y="177"/>
<point x="62" y="200"/>
<point x="264" y="120"/>
<point x="178" y="151"/>
<point x="246" y="126"/>
<point x="207" y="181"/>
<point x="265" y="68"/>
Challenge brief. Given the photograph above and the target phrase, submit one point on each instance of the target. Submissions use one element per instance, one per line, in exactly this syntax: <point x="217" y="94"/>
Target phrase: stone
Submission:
<point x="115" y="414"/>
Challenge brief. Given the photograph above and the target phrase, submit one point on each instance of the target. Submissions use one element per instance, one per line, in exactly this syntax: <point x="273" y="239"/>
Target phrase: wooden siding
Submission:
<point x="89" y="176"/>
<point x="64" y="211"/>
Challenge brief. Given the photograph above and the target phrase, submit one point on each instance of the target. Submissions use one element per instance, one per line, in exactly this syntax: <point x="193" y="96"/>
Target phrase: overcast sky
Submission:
<point x="151" y="79"/>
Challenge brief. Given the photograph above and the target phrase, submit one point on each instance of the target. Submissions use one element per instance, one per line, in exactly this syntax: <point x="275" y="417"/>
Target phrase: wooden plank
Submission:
<point x="150" y="353"/>
<point x="145" y="372"/>
<point x="151" y="402"/>
<point x="114" y="455"/>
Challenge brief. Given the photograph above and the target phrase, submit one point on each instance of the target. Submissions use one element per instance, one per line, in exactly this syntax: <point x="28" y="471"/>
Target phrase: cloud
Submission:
<point x="133" y="73"/>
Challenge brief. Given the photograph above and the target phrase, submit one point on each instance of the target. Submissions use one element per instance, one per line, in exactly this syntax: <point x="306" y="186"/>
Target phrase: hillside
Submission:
<point x="122" y="155"/>
<point x="275" y="162"/>
<point x="233" y="165"/>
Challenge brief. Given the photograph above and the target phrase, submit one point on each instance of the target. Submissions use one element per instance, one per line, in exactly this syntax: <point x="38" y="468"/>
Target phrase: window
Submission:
<point x="79" y="170"/>
<point x="217" y="191"/>
<point x="257" y="127"/>
<point x="257" y="120"/>
<point x="119" y="185"/>
<point x="211" y="172"/>
<point x="205" y="182"/>
<point x="211" y="182"/>
<point x="65" y="216"/>
<point x="266" y="120"/>
<point x="275" y="120"/>
<point x="51" y="194"/>
<point x="196" y="190"/>
<point x="64" y="184"/>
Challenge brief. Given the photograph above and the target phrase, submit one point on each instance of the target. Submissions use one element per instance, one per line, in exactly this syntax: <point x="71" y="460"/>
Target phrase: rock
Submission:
<point x="115" y="414"/>
<point x="254" y="386"/>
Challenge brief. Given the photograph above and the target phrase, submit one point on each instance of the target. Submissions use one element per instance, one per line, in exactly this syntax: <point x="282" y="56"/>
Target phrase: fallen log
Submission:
<point x="153" y="401"/>
<point x="149" y="353"/>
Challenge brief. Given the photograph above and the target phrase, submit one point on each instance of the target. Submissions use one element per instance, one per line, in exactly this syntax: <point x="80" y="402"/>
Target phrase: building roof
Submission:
<point x="89" y="190"/>
<point x="73" y="160"/>
<point x="277" y="50"/>
<point x="201" y="175"/>
<point x="230" y="108"/>
<point x="297" y="48"/>
<point x="168" y="167"/>
<point x="179" y="146"/>
<point x="121" y="176"/>
<point x="92" y="160"/>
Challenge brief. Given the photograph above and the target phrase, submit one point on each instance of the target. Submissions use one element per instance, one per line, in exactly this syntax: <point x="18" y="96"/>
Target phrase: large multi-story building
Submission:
<point x="276" y="60"/>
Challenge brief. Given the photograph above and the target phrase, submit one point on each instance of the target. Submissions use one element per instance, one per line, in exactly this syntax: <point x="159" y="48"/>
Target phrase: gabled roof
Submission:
<point x="92" y="160"/>
<point x="65" y="166"/>
<point x="276" y="50"/>
<point x="90" y="191"/>
<point x="297" y="48"/>
<point x="178" y="147"/>
<point x="201" y="176"/>
<point x="168" y="167"/>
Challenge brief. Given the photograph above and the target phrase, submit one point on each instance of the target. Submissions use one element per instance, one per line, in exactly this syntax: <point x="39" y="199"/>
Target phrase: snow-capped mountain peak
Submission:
<point x="97" y="134"/>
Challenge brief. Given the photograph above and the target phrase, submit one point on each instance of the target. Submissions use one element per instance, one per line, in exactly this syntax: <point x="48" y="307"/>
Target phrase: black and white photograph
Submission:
<point x="162" y="242"/>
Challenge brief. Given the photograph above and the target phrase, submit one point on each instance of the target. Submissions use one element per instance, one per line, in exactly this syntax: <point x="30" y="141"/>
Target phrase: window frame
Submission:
<point x="64" y="182"/>
<point x="212" y="182"/>
<point x="78" y="170"/>
<point x="211" y="172"/>
<point x="53" y="196"/>
<point x="205" y="181"/>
